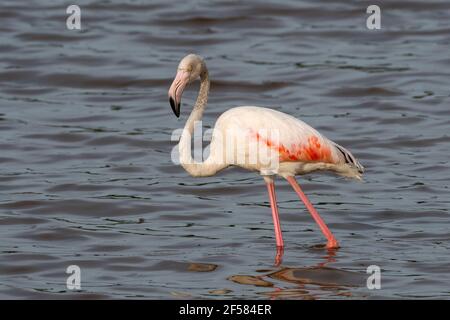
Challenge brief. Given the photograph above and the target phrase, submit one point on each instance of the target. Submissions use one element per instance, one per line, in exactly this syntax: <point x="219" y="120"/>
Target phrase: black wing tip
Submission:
<point x="350" y="159"/>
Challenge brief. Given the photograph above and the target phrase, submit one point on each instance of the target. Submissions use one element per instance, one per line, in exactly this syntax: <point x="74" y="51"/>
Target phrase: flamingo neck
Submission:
<point x="200" y="104"/>
<point x="196" y="169"/>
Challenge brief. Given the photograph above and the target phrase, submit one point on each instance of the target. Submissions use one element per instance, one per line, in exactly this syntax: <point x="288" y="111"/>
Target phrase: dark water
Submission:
<point x="85" y="170"/>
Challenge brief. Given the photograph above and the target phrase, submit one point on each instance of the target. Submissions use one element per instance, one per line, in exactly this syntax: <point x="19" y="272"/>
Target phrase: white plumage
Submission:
<point x="300" y="148"/>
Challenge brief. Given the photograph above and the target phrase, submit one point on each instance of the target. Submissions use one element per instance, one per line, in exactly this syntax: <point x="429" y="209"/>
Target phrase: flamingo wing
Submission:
<point x="295" y="140"/>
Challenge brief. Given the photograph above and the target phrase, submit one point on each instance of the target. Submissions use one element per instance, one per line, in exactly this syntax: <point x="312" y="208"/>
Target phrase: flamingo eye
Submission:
<point x="187" y="69"/>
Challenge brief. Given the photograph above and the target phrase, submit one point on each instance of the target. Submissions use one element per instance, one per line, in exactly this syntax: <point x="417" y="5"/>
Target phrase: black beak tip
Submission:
<point x="175" y="108"/>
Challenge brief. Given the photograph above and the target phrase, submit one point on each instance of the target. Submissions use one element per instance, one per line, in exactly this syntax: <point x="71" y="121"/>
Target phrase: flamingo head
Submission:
<point x="191" y="68"/>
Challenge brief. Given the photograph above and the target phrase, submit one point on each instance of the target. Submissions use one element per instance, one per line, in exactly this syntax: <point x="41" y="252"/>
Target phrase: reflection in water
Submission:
<point x="251" y="280"/>
<point x="310" y="282"/>
<point x="220" y="292"/>
<point x="202" y="267"/>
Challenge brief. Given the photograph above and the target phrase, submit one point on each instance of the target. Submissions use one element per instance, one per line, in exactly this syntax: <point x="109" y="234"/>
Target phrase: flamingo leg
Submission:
<point x="276" y="218"/>
<point x="279" y="256"/>
<point x="332" y="242"/>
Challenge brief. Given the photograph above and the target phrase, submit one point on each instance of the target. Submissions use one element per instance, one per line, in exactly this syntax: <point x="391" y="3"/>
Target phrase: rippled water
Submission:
<point x="85" y="170"/>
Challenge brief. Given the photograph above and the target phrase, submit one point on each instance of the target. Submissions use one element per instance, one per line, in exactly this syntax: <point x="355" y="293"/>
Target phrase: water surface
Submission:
<point x="85" y="170"/>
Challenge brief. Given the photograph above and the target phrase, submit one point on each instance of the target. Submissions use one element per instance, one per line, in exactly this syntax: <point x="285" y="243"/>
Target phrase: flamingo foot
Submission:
<point x="332" y="244"/>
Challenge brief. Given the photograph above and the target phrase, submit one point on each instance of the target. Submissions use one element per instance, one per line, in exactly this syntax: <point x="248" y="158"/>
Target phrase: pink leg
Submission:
<point x="279" y="256"/>
<point x="276" y="219"/>
<point x="332" y="242"/>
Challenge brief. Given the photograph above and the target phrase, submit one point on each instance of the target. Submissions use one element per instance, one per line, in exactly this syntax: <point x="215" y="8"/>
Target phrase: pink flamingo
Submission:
<point x="298" y="148"/>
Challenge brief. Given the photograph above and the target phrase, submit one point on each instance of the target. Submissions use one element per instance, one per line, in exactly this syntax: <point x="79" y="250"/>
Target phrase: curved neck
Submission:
<point x="197" y="169"/>
<point x="200" y="104"/>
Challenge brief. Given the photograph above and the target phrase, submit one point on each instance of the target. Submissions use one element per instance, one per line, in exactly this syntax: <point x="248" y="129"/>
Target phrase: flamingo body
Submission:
<point x="299" y="147"/>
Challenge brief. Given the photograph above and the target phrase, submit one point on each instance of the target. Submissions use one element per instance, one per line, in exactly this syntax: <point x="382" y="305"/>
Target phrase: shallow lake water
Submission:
<point x="86" y="176"/>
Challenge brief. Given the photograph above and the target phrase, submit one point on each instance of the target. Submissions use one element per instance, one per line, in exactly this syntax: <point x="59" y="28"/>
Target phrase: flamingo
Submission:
<point x="298" y="148"/>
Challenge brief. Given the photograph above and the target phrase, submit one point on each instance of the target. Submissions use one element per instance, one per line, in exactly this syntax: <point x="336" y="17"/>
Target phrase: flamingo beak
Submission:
<point x="176" y="90"/>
